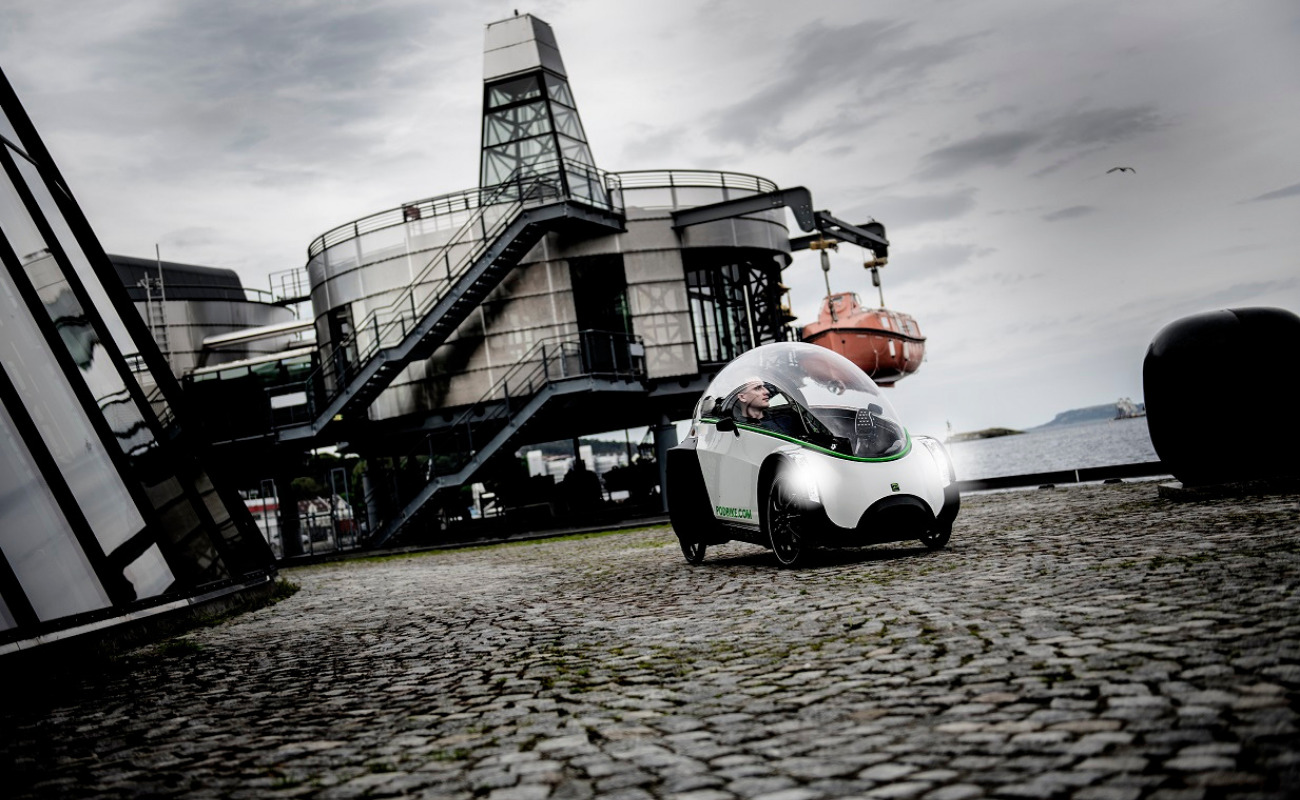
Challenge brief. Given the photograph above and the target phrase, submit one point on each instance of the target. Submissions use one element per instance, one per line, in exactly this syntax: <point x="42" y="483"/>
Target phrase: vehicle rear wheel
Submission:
<point x="938" y="537"/>
<point x="694" y="551"/>
<point x="785" y="523"/>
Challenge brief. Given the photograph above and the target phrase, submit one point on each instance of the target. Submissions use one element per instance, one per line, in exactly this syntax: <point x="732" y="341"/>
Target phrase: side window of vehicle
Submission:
<point x="786" y="416"/>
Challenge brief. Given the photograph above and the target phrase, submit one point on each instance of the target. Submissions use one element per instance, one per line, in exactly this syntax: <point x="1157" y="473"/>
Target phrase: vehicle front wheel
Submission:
<point x="694" y="551"/>
<point x="785" y="523"/>
<point x="935" y="539"/>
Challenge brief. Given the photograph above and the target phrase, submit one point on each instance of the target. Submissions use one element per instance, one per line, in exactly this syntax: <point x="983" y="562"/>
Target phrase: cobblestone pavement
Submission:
<point x="1093" y="642"/>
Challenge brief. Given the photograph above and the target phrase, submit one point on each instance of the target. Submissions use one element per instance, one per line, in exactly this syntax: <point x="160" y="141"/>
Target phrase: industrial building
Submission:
<point x="554" y="300"/>
<point x="437" y="338"/>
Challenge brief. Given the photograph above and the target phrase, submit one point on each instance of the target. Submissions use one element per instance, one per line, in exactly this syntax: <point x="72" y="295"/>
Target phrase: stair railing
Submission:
<point x="549" y="361"/>
<point x="389" y="325"/>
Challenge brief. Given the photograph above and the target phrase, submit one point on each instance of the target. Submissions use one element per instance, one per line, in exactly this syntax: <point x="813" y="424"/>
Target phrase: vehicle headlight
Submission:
<point x="803" y="478"/>
<point x="941" y="460"/>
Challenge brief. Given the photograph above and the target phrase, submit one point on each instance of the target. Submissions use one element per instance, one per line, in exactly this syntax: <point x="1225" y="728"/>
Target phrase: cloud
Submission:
<point x="997" y="149"/>
<point x="1289" y="191"/>
<point x="1009" y="110"/>
<point x="194" y="236"/>
<point x="1109" y="126"/>
<point x="1069" y="137"/>
<point x="846" y="68"/>
<point x="900" y="211"/>
<point x="1073" y="212"/>
<point x="932" y="260"/>
<point x="290" y="82"/>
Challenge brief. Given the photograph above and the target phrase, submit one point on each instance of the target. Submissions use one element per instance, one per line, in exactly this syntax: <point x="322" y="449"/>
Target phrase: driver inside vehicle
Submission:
<point x="753" y="406"/>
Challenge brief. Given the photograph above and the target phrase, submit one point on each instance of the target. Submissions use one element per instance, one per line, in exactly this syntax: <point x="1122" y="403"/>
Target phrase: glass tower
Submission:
<point x="106" y="507"/>
<point x="530" y="121"/>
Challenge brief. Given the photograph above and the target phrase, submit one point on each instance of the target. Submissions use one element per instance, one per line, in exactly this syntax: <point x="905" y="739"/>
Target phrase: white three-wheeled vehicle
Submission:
<point x="793" y="447"/>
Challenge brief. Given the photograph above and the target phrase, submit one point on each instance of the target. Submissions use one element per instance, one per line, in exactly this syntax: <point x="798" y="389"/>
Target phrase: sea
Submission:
<point x="1103" y="443"/>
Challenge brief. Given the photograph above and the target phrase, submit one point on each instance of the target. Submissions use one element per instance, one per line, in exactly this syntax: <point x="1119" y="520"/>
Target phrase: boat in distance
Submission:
<point x="886" y="344"/>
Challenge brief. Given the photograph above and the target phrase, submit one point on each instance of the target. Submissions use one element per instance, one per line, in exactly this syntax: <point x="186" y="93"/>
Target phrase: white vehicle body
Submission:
<point x="792" y="446"/>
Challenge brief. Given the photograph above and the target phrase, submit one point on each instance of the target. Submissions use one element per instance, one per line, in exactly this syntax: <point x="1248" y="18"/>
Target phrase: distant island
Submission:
<point x="1124" y="408"/>
<point x="987" y="433"/>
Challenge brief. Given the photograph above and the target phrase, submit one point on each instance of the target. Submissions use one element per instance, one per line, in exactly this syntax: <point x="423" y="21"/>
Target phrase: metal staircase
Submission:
<point x="509" y="221"/>
<point x="589" y="361"/>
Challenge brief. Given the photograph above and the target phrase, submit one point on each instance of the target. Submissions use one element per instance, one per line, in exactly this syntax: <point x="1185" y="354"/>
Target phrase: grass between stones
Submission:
<point x="571" y="537"/>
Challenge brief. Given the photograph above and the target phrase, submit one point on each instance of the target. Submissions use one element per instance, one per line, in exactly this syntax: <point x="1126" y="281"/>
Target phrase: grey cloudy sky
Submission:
<point x="232" y="133"/>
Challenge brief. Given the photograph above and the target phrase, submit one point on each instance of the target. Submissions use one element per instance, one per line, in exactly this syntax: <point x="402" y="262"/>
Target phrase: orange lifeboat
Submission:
<point x="886" y="344"/>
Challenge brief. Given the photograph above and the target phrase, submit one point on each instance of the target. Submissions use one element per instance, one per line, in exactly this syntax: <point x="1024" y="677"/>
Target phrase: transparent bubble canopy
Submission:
<point x="815" y="394"/>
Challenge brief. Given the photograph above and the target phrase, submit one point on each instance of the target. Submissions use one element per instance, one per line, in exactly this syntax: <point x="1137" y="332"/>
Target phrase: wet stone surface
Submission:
<point x="1090" y="642"/>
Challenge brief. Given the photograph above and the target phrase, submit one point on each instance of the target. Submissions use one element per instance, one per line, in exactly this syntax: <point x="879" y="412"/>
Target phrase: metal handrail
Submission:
<point x="292" y="284"/>
<point x="685" y="178"/>
<point x="177" y="291"/>
<point x="432" y="207"/>
<point x="529" y="375"/>
<point x="394" y="313"/>
<point x="390" y="324"/>
<point x="469" y="199"/>
<point x="526" y="185"/>
<point x="537" y="362"/>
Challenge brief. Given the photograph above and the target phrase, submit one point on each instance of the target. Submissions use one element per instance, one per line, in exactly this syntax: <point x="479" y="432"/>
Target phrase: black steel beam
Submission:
<point x="870" y="235"/>
<point x="797" y="199"/>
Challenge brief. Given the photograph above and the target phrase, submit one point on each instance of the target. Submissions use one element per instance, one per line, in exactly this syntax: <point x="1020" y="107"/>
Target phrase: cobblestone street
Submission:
<point x="1093" y="642"/>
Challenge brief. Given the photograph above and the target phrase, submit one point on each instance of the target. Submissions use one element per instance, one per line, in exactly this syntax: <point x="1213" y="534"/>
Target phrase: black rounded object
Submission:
<point x="1220" y="397"/>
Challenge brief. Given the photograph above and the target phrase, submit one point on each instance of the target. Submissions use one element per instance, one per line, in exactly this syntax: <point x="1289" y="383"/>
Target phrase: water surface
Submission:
<point x="1091" y="444"/>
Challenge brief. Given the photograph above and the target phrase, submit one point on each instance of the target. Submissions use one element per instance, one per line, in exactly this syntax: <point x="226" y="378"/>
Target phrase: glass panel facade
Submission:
<point x="126" y="418"/>
<point x="63" y="423"/>
<point x="522" y="127"/>
<point x="719" y="312"/>
<point x="558" y="90"/>
<point x="98" y="509"/>
<point x="116" y="330"/>
<point x="7" y="130"/>
<point x="514" y="91"/>
<point x="518" y="122"/>
<point x="37" y="539"/>
<point x="575" y="151"/>
<point x="83" y="342"/>
<point x="568" y="123"/>
<point x="514" y="159"/>
<point x="149" y="573"/>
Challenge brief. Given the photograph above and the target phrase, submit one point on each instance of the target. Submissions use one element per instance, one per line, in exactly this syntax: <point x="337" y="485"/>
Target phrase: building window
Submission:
<point x="719" y="312"/>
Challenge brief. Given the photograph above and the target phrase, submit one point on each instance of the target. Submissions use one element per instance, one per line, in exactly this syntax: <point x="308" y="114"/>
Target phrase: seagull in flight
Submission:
<point x="1120" y="169"/>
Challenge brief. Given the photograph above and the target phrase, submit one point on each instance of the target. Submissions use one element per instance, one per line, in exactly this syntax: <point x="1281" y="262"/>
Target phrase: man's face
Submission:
<point x="754" y="395"/>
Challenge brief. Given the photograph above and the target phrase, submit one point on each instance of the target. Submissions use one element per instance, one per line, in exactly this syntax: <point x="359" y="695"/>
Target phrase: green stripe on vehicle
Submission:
<point x="907" y="448"/>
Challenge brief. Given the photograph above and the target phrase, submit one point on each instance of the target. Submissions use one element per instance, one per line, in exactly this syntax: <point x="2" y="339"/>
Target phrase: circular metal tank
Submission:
<point x="366" y="265"/>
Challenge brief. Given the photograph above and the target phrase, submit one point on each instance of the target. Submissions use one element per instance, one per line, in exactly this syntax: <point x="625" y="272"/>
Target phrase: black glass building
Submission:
<point x="108" y="513"/>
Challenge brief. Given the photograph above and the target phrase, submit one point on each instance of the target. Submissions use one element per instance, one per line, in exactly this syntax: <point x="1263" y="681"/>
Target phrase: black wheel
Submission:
<point x="937" y="538"/>
<point x="785" y="523"/>
<point x="694" y="551"/>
